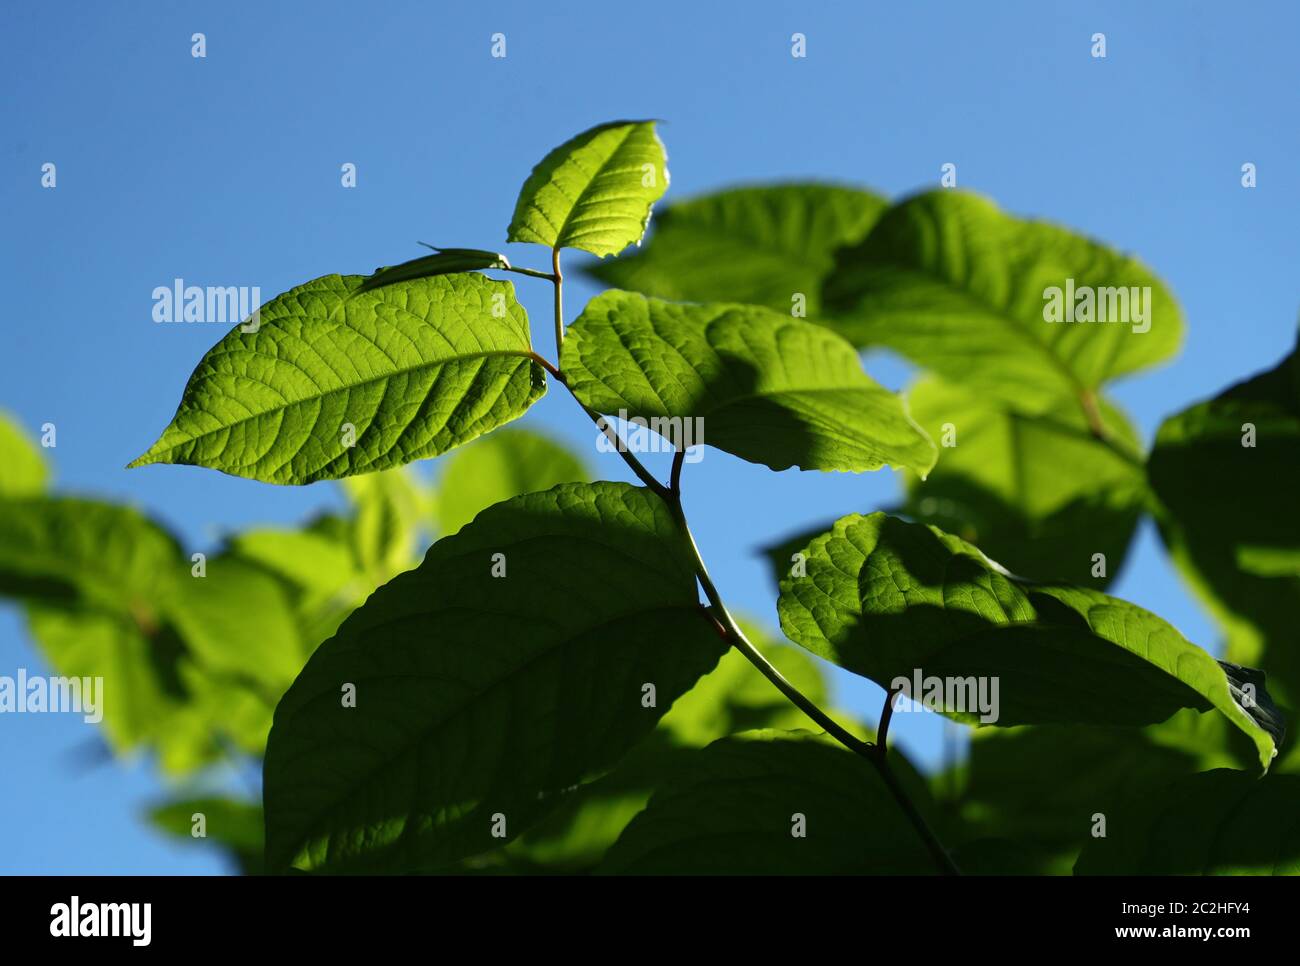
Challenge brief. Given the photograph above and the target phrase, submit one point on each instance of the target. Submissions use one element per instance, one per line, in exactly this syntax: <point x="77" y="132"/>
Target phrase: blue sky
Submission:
<point x="225" y="171"/>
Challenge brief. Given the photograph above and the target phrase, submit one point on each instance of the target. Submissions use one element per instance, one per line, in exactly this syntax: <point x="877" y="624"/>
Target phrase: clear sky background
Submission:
<point x="226" y="171"/>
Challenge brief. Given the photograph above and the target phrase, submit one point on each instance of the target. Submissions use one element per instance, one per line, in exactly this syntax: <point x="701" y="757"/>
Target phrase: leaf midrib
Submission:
<point x="586" y="189"/>
<point x="316" y="397"/>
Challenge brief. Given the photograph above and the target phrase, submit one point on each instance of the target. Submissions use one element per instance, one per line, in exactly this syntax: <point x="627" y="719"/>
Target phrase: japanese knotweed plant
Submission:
<point x="539" y="646"/>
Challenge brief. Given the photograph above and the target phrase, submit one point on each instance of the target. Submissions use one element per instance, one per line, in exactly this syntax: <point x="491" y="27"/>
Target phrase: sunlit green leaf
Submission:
<point x="336" y="381"/>
<point x="22" y="467"/>
<point x="144" y="699"/>
<point x="595" y="191"/>
<point x="766" y="387"/>
<point x="100" y="554"/>
<point x="391" y="511"/>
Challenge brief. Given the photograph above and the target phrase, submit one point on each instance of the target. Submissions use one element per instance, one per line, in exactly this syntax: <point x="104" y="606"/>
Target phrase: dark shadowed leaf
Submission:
<point x="1219" y="822"/>
<point x="1225" y="473"/>
<point x="444" y="261"/>
<point x="889" y="599"/>
<point x="481" y="699"/>
<point x="738" y="808"/>
<point x="1040" y="494"/>
<point x="1041" y="786"/>
<point x="733" y="697"/>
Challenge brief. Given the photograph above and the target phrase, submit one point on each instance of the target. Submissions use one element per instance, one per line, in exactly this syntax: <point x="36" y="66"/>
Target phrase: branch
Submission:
<point x="874" y="753"/>
<point x="886" y="715"/>
<point x="726" y="624"/>
<point x="557" y="277"/>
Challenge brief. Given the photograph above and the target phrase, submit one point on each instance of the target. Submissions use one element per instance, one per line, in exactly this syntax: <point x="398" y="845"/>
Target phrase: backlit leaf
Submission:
<point x="764" y="245"/>
<point x="961" y="288"/>
<point x="766" y="387"/>
<point x="337" y="381"/>
<point x="595" y="191"/>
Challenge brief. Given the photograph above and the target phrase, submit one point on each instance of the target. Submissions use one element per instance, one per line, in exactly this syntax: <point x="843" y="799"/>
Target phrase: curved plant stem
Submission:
<point x="731" y="632"/>
<point x="874" y="753"/>
<point x="557" y="277"/>
<point x="606" y="427"/>
<point x="886" y="715"/>
<point x="675" y="477"/>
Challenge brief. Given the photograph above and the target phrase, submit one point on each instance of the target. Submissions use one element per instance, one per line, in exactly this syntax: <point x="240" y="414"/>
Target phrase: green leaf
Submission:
<point x="236" y="620"/>
<point x="1041" y="786"/>
<point x="444" y="261"/>
<point x="732" y="697"/>
<point x="575" y="836"/>
<point x="305" y="558"/>
<point x="24" y="471"/>
<point x="768" y="388"/>
<point x="336" y="381"/>
<point x="1224" y="472"/>
<point x="319" y="571"/>
<point x="493" y="469"/>
<point x="1219" y="822"/>
<point x="957" y="286"/>
<point x="481" y="695"/>
<point x="390" y="514"/>
<point x="759" y="245"/>
<point x="1040" y="494"/>
<point x="890" y="600"/>
<point x="144" y="698"/>
<point x="595" y="191"/>
<point x="184" y="659"/>
<point x="734" y="811"/>
<point x="70" y="549"/>
<point x="89" y="556"/>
